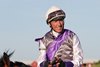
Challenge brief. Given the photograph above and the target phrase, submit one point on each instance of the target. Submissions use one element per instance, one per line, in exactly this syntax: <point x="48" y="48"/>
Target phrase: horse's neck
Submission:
<point x="6" y="65"/>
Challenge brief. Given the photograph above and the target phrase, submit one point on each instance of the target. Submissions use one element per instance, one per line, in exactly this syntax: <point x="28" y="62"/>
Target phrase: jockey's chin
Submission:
<point x="59" y="30"/>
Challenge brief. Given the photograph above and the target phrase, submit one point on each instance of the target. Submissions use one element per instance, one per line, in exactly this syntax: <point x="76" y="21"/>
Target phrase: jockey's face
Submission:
<point x="57" y="26"/>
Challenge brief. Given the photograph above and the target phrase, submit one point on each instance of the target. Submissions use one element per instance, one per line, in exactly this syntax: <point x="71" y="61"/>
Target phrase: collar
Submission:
<point x="55" y="33"/>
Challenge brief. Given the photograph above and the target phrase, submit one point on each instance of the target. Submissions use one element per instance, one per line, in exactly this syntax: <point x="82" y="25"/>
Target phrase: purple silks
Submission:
<point x="54" y="46"/>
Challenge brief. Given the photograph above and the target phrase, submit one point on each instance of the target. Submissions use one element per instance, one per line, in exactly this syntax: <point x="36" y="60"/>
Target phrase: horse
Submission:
<point x="6" y="62"/>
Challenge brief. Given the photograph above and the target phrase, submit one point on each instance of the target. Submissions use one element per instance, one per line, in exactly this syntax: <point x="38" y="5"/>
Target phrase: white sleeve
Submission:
<point x="77" y="52"/>
<point x="42" y="50"/>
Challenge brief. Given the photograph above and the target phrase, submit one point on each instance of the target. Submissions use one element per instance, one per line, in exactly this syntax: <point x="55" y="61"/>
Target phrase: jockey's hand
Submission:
<point x="56" y="60"/>
<point x="34" y="64"/>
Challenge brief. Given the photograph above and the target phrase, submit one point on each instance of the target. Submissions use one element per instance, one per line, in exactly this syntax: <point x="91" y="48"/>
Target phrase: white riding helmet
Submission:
<point x="55" y="13"/>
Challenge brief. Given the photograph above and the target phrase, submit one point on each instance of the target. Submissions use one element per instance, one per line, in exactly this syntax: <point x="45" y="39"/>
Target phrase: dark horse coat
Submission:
<point x="5" y="61"/>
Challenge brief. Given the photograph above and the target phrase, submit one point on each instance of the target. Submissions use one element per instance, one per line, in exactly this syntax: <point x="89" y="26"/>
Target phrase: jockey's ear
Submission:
<point x="49" y="25"/>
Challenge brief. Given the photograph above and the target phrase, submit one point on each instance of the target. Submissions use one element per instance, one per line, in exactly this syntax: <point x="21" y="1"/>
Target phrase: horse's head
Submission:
<point x="5" y="59"/>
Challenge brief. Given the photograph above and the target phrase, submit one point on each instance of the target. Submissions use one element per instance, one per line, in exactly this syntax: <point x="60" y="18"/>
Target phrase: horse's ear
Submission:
<point x="11" y="54"/>
<point x="7" y="51"/>
<point x="6" y="59"/>
<point x="5" y="54"/>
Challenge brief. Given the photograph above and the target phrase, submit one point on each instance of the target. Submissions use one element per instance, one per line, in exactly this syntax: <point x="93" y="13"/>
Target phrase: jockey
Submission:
<point x="59" y="42"/>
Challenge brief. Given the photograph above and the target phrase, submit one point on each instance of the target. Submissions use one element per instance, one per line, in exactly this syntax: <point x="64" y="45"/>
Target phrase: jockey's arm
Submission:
<point x="77" y="52"/>
<point x="42" y="55"/>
